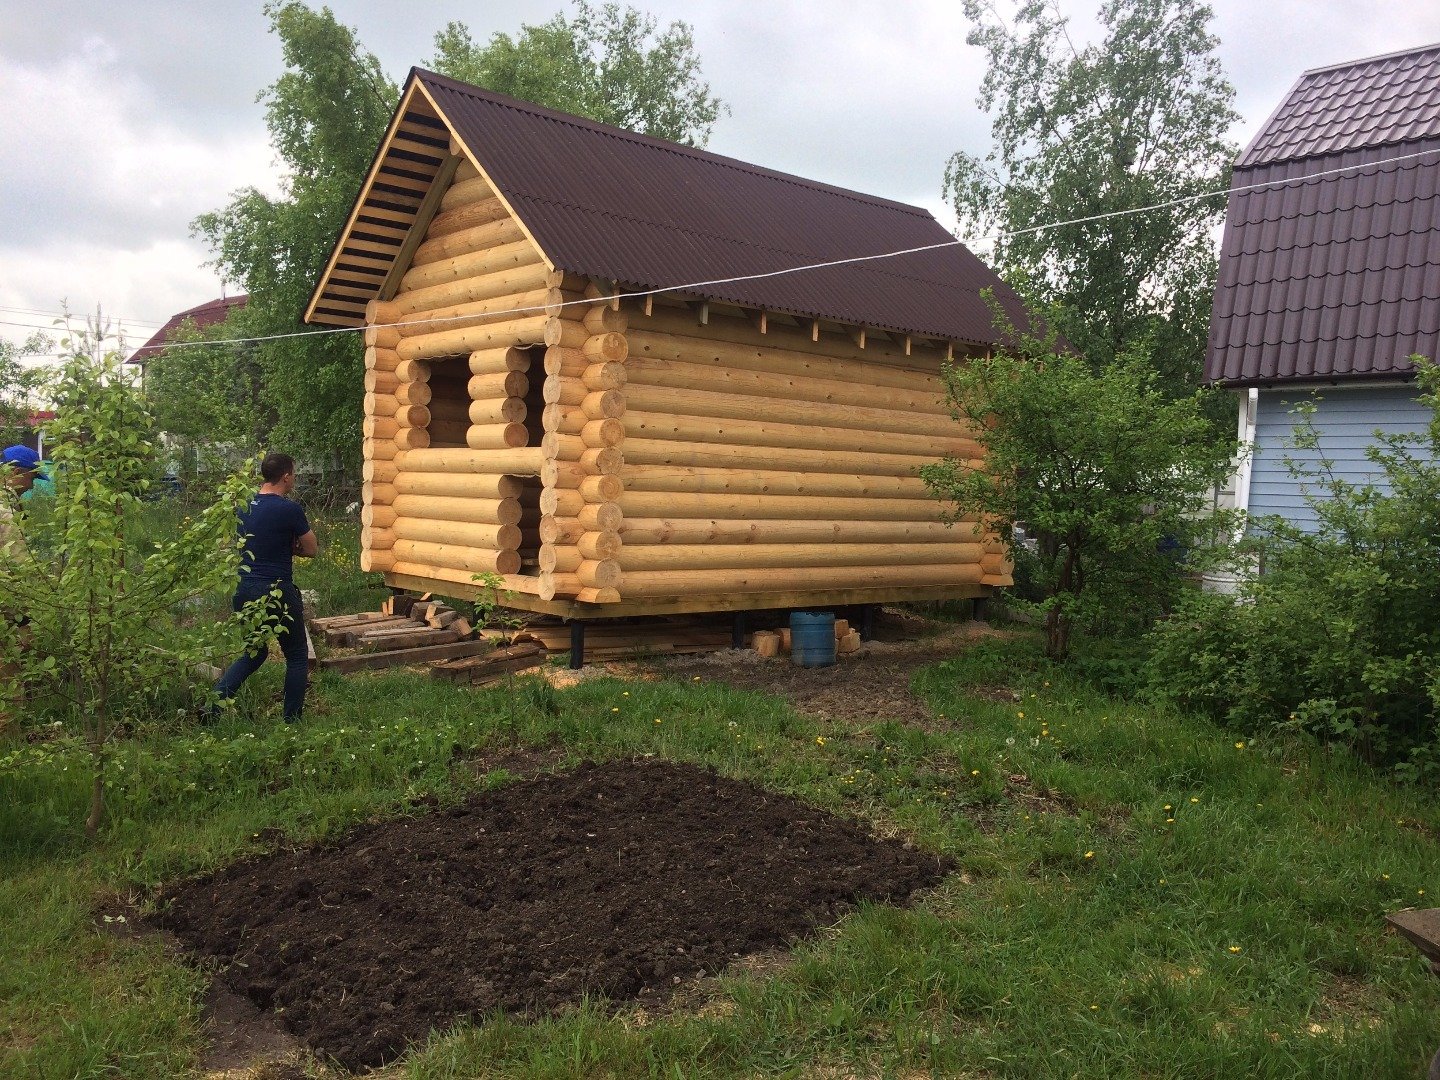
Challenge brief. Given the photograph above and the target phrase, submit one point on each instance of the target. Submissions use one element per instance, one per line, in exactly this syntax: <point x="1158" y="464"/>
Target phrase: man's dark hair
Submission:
<point x="276" y="466"/>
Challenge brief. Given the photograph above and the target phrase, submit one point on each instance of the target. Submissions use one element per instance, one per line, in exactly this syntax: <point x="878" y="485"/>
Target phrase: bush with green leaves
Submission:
<point x="1107" y="472"/>
<point x="1339" y="634"/>
<point x="105" y="604"/>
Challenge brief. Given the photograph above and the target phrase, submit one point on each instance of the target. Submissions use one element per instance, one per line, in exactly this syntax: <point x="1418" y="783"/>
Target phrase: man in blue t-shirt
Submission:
<point x="273" y="530"/>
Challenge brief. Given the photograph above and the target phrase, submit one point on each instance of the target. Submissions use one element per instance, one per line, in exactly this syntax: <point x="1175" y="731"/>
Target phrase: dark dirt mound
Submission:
<point x="618" y="879"/>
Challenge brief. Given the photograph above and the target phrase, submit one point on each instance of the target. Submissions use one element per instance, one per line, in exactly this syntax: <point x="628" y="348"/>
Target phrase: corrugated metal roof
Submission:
<point x="1378" y="101"/>
<point x="609" y="203"/>
<point x="1338" y="276"/>
<point x="202" y="315"/>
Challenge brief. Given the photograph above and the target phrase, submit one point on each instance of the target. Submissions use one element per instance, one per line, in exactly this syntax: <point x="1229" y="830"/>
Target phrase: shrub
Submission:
<point x="1339" y="634"/>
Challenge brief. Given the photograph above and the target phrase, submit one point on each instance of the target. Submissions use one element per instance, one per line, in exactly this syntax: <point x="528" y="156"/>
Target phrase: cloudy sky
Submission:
<point x="123" y="121"/>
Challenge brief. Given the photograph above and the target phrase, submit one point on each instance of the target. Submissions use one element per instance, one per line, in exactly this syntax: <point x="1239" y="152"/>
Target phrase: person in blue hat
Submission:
<point x="28" y="476"/>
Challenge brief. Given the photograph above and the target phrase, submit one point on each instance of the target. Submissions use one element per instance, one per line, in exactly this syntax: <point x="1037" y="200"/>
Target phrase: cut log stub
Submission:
<point x="497" y="410"/>
<point x="566" y="333"/>
<point x="561" y="502"/>
<point x="599" y="574"/>
<point x="605" y="320"/>
<point x="601" y="489"/>
<point x="379" y="450"/>
<point x="380" y="472"/>
<point x="505" y="384"/>
<point x="499" y="361"/>
<point x="609" y="375"/>
<point x="380" y="517"/>
<point x="605" y="348"/>
<point x="563" y="303"/>
<point x="381" y="337"/>
<point x="600" y="545"/>
<point x="562" y="585"/>
<point x="413" y="393"/>
<point x="412" y="438"/>
<point x="563" y="361"/>
<point x="603" y="460"/>
<point x="374" y="494"/>
<point x="377" y="359"/>
<point x="379" y="427"/>
<point x="766" y="643"/>
<point x="557" y="530"/>
<point x="601" y="517"/>
<point x="608" y="432"/>
<point x="412" y="370"/>
<point x="495" y="436"/>
<point x="555" y="558"/>
<point x="598" y="596"/>
<point x="381" y="382"/>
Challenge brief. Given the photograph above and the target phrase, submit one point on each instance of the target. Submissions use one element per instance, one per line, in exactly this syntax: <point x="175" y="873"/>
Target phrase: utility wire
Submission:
<point x="696" y="286"/>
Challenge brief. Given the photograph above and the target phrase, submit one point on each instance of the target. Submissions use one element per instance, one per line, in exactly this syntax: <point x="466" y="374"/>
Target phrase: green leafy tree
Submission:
<point x="18" y="384"/>
<point x="209" y="401"/>
<point x="1337" y="636"/>
<point x="1134" y="120"/>
<point x="326" y="114"/>
<point x="1107" y="473"/>
<point x="604" y="62"/>
<point x="103" y="632"/>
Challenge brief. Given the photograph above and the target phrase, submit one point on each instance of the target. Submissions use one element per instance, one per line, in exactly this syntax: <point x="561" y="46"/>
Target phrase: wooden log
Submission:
<point x="724" y="556"/>
<point x="600" y="546"/>
<point x="464" y="169"/>
<point x="502" y="661"/>
<point x="449" y="222"/>
<point x="506" y="384"/>
<point x="643" y="583"/>
<point x="377" y="359"/>
<point x="601" y="433"/>
<point x="412" y="439"/>
<point x="379" y="450"/>
<point x="464" y="534"/>
<point x="498" y="410"/>
<point x="379" y="427"/>
<point x="413" y="393"/>
<point x="553" y="585"/>
<point x="693" y="390"/>
<point x="601" y="517"/>
<point x="381" y="382"/>
<point x="381" y="337"/>
<point x="468" y="586"/>
<point x="641" y="531"/>
<point x="559" y="530"/>
<point x="408" y="639"/>
<point x="373" y="494"/>
<point x="412" y="370"/>
<point x="380" y="472"/>
<point x="376" y="561"/>
<point x="763" y="433"/>
<point x="380" y="404"/>
<point x="475" y="313"/>
<point x="517" y="332"/>
<point x="712" y="455"/>
<point x="683" y="478"/>
<point x="557" y="559"/>
<point x="481" y="511"/>
<point x="562" y="361"/>
<point x="503" y="230"/>
<point x="466" y="192"/>
<point x="496" y="436"/>
<point x="521" y="461"/>
<point x="705" y="505"/>
<point x="457" y="485"/>
<point x="604" y="487"/>
<point x="783" y="348"/>
<point x="561" y="502"/>
<point x="605" y="348"/>
<point x="400" y="657"/>
<point x="848" y="644"/>
<point x="412" y="415"/>
<point x="563" y="303"/>
<point x="373" y="539"/>
<point x="522" y="279"/>
<point x="565" y="333"/>
<point x="766" y="643"/>
<point x="603" y="460"/>
<point x="605" y="320"/>
<point x="598" y="596"/>
<point x="499" y="361"/>
<point x="455" y="557"/>
<point x="599" y="574"/>
<point x="377" y="516"/>
<point x="601" y="489"/>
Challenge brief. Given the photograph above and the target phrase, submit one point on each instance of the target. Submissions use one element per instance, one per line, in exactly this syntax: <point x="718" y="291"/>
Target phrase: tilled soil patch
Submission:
<point x="618" y="879"/>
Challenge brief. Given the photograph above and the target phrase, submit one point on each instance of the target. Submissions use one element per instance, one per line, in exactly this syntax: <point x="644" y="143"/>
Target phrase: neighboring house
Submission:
<point x="201" y="317"/>
<point x="1328" y="284"/>
<point x="724" y="441"/>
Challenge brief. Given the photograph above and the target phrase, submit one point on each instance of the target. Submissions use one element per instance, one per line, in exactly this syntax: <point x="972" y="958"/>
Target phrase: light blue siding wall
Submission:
<point x="1346" y="420"/>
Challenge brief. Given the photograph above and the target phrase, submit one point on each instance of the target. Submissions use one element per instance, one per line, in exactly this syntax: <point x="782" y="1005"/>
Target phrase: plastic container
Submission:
<point x="812" y="638"/>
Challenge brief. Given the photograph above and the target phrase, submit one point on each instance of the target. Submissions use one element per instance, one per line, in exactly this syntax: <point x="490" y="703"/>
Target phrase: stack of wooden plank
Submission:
<point x="491" y="668"/>
<point x="382" y="639"/>
<point x="627" y="640"/>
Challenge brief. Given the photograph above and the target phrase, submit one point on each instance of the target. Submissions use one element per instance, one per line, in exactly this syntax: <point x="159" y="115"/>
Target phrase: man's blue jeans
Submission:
<point x="289" y="613"/>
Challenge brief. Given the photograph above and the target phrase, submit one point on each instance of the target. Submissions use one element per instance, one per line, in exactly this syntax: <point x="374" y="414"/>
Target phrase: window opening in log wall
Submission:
<point x="449" y="402"/>
<point x="533" y="419"/>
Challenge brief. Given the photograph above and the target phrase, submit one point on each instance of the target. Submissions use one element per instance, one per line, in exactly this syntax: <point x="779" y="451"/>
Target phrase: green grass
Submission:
<point x="1087" y="933"/>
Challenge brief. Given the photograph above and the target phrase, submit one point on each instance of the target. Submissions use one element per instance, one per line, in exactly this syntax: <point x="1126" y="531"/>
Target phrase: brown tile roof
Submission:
<point x="1338" y="276"/>
<point x="202" y="315"/>
<point x="609" y="203"/>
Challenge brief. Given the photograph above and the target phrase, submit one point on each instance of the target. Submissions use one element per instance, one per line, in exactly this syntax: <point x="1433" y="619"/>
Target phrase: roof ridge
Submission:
<point x="1342" y="65"/>
<point x="667" y="145"/>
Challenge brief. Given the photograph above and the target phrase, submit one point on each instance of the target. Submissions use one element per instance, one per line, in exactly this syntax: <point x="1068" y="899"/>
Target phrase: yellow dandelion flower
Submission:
<point x="1169" y="807"/>
<point x="1420" y="892"/>
<point x="1044" y="731"/>
<point x="1240" y="745"/>
<point x="1162" y="881"/>
<point x="1194" y="799"/>
<point x="616" y="709"/>
<point x="657" y="720"/>
<point x="819" y="740"/>
<point x="1089" y="854"/>
<point x="1385" y="877"/>
<point x="1234" y="948"/>
<point x="1021" y="715"/>
<point x="624" y="693"/>
<point x="695" y="679"/>
<point x="1093" y="1008"/>
<point x="974" y="772"/>
<point x="1169" y="821"/>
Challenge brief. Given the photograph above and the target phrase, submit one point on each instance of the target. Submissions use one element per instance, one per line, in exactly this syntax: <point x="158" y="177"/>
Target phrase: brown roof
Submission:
<point x="609" y="203"/>
<point x="1337" y="276"/>
<point x="202" y="315"/>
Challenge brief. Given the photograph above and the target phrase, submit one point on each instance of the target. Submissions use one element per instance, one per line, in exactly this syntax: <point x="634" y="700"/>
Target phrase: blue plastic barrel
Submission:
<point x="812" y="638"/>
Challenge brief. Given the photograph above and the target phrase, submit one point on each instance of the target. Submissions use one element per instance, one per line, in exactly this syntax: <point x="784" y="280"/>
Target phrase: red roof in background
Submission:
<point x="202" y="315"/>
<point x="608" y="203"/>
<point x="1335" y="277"/>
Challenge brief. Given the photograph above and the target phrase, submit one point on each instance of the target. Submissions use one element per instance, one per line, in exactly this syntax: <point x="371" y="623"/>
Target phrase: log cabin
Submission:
<point x="597" y="366"/>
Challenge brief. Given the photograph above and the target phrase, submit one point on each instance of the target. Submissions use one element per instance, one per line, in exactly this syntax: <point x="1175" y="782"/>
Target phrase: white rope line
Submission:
<point x="696" y="286"/>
